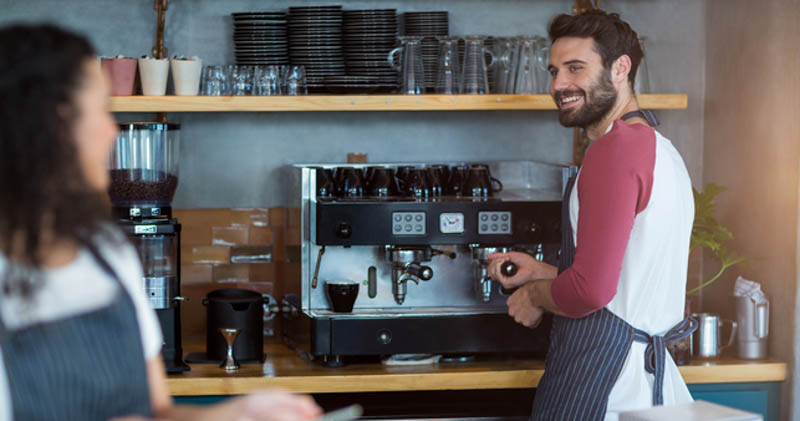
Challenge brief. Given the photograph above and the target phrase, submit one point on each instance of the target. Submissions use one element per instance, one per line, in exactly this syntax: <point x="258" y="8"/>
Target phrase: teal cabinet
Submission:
<point x="761" y="398"/>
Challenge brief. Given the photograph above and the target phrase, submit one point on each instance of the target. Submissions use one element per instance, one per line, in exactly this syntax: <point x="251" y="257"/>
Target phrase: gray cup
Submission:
<point x="753" y="320"/>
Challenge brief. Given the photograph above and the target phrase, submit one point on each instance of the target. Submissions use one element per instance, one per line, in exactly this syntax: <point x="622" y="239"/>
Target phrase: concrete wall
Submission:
<point x="751" y="147"/>
<point x="232" y="160"/>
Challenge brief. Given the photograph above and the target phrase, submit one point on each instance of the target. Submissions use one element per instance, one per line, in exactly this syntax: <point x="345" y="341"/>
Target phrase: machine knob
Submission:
<point x="535" y="228"/>
<point x="422" y="272"/>
<point x="384" y="337"/>
<point x="344" y="231"/>
<point x="509" y="269"/>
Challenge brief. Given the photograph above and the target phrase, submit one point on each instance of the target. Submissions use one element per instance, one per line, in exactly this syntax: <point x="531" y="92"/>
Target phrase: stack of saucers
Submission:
<point x="428" y="25"/>
<point x="315" y="41"/>
<point x="369" y="36"/>
<point x="260" y="38"/>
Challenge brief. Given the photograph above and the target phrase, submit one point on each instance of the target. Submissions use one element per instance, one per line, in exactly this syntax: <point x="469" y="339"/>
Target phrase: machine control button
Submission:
<point x="344" y="231"/>
<point x="408" y="223"/>
<point x="384" y="336"/>
<point x="495" y="228"/>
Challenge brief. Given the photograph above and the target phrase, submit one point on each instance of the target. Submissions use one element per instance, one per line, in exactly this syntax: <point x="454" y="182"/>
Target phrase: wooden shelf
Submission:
<point x="362" y="103"/>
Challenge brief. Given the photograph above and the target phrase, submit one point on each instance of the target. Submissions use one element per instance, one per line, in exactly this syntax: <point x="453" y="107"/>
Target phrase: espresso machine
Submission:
<point x="418" y="257"/>
<point x="144" y="176"/>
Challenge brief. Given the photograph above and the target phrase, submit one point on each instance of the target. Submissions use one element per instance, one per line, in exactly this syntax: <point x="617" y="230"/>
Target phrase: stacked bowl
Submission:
<point x="260" y="38"/>
<point x="315" y="42"/>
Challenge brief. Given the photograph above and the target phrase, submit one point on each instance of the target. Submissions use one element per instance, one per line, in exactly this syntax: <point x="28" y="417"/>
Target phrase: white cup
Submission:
<point x="153" y="73"/>
<point x="186" y="75"/>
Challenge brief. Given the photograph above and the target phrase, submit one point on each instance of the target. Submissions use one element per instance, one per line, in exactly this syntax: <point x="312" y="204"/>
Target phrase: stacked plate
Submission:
<point x="260" y="38"/>
<point x="428" y="25"/>
<point x="369" y="36"/>
<point x="315" y="41"/>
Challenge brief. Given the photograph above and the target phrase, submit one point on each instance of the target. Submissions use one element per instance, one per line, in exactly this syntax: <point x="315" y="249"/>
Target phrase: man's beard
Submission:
<point x="597" y="103"/>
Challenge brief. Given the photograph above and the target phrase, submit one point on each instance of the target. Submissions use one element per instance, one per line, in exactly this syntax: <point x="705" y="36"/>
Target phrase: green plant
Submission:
<point x="710" y="234"/>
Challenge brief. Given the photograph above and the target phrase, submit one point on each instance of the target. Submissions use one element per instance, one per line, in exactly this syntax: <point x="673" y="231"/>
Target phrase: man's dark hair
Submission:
<point x="612" y="36"/>
<point x="43" y="188"/>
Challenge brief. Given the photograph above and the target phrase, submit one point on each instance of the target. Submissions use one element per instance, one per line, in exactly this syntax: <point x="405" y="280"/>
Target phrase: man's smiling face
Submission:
<point x="581" y="87"/>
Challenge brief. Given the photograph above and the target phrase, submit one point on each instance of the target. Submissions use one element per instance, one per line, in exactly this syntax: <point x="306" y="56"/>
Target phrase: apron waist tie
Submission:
<point x="656" y="351"/>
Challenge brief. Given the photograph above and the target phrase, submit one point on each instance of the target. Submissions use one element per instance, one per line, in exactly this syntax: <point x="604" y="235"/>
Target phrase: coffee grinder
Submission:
<point x="144" y="176"/>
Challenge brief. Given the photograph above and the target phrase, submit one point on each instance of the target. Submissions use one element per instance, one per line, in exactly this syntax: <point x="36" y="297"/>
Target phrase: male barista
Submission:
<point x="618" y="294"/>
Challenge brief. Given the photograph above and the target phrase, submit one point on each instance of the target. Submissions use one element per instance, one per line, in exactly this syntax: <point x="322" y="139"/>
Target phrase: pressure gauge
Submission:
<point x="451" y="223"/>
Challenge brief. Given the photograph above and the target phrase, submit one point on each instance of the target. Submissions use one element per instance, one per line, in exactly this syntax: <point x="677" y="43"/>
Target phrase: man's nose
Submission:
<point x="558" y="83"/>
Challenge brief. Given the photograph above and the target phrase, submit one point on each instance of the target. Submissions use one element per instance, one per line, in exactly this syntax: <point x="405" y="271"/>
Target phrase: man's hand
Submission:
<point x="529" y="268"/>
<point x="522" y="308"/>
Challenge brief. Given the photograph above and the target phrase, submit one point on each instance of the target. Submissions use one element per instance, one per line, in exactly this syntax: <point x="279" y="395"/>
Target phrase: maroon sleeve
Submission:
<point x="613" y="187"/>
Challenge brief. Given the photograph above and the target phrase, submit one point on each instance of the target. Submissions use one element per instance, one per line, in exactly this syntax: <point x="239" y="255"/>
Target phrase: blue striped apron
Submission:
<point x="87" y="367"/>
<point x="586" y="355"/>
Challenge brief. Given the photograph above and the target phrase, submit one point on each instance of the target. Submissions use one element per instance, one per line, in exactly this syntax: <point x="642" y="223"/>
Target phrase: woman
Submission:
<point x="77" y="336"/>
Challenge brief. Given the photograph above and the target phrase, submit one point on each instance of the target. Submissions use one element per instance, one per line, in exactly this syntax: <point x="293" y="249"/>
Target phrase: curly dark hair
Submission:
<point x="612" y="36"/>
<point x="44" y="191"/>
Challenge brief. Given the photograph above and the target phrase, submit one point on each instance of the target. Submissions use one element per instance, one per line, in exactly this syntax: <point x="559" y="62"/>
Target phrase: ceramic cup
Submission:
<point x="122" y="72"/>
<point x="186" y="75"/>
<point x="153" y="73"/>
<point x="342" y="295"/>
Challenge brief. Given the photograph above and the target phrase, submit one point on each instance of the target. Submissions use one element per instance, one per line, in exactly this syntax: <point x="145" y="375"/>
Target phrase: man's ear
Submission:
<point x="621" y="68"/>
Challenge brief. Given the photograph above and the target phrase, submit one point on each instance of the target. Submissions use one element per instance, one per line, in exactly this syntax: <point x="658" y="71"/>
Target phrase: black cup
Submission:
<point x="479" y="182"/>
<point x="416" y="184"/>
<point x="342" y="295"/>
<point x="382" y="183"/>
<point x="456" y="181"/>
<point x="325" y="184"/>
<point x="349" y="182"/>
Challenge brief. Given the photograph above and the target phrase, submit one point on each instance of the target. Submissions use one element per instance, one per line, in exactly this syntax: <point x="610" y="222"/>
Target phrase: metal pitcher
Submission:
<point x="706" y="340"/>
<point x="753" y="319"/>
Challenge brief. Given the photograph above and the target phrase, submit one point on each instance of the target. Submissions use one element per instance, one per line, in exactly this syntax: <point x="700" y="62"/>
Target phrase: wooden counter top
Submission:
<point x="284" y="369"/>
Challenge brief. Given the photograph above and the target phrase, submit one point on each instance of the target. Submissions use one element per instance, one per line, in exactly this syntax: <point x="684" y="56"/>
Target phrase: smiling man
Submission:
<point x="618" y="293"/>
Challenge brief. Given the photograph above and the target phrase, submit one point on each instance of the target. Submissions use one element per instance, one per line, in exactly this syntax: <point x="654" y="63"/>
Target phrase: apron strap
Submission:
<point x="656" y="352"/>
<point x="648" y="115"/>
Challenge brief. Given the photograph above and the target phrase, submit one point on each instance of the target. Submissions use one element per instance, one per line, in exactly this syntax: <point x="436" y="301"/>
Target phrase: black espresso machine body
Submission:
<point x="420" y="266"/>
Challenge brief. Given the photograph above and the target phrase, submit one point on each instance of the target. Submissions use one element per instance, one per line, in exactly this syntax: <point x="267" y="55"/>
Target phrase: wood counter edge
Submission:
<point x="767" y="371"/>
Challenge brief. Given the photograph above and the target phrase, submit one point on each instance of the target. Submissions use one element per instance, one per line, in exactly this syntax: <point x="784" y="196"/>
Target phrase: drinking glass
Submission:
<point x="242" y="80"/>
<point x="642" y="83"/>
<point x="525" y="82"/>
<point x="447" y="78"/>
<point x="505" y="49"/>
<point x="294" y="80"/>
<point x="267" y="80"/>
<point x="412" y="70"/>
<point x="542" y="61"/>
<point x="474" y="78"/>
<point x="215" y="81"/>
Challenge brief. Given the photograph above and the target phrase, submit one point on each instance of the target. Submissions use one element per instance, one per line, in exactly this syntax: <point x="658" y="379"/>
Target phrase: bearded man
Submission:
<point x="618" y="294"/>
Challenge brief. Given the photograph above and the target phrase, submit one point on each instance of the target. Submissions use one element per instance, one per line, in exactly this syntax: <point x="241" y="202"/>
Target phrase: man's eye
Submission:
<point x="574" y="68"/>
<point x="553" y="72"/>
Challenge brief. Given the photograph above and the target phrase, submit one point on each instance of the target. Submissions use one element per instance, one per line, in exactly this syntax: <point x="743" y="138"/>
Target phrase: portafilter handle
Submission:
<point x="508" y="269"/>
<point x="422" y="272"/>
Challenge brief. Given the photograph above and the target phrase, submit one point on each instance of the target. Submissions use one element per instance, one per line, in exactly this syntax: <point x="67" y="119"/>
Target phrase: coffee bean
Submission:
<point x="141" y="186"/>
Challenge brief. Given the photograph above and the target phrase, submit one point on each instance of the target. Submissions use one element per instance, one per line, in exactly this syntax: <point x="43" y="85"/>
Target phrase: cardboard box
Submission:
<point x="196" y="274"/>
<point x="262" y="236"/>
<point x="230" y="236"/>
<point x="277" y="217"/>
<point x="257" y="217"/>
<point x="205" y="255"/>
<point x="231" y="273"/>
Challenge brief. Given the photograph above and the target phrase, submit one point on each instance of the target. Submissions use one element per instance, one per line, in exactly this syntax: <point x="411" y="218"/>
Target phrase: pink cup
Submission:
<point x="122" y="72"/>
